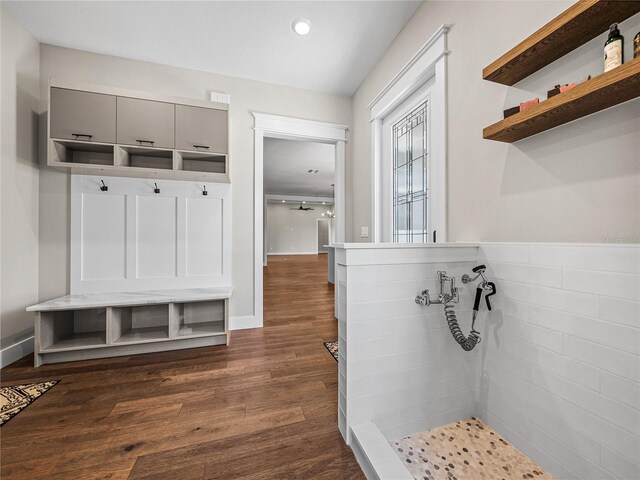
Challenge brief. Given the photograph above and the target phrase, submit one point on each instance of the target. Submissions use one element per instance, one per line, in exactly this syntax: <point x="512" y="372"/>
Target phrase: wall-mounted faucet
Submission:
<point x="449" y="296"/>
<point x="423" y="297"/>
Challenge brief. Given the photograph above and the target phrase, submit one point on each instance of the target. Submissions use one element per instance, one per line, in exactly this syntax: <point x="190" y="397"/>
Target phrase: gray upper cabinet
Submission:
<point x="201" y="129"/>
<point x="145" y="123"/>
<point x="79" y="115"/>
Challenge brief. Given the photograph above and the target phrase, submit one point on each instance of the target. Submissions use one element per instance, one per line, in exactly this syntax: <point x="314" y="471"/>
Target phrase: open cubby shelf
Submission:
<point x="156" y="322"/>
<point x="144" y="157"/>
<point x="580" y="23"/>
<point x="79" y="152"/>
<point x="73" y="330"/>
<point x="145" y="323"/>
<point x="201" y="162"/>
<point x="202" y="318"/>
<point x="85" y="157"/>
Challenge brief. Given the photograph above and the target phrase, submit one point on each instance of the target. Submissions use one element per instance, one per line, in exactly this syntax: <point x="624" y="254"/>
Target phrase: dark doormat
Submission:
<point x="18" y="397"/>
<point x="333" y="349"/>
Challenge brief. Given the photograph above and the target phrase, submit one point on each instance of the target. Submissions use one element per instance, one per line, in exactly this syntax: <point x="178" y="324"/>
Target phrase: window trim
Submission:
<point x="429" y="62"/>
<point x="420" y="96"/>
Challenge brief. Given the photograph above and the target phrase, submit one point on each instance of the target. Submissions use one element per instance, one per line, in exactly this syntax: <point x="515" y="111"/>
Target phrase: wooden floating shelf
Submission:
<point x="571" y="29"/>
<point x="606" y="90"/>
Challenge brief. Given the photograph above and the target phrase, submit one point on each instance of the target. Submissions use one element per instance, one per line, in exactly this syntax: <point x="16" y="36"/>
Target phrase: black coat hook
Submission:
<point x="204" y="190"/>
<point x="103" y="187"/>
<point x="156" y="190"/>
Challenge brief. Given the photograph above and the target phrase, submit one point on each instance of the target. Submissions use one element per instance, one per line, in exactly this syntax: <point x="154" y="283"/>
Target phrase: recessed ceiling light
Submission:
<point x="301" y="26"/>
<point x="283" y="201"/>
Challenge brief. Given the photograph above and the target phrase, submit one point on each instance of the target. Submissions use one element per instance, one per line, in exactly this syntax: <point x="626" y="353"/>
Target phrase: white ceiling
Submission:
<point x="286" y="165"/>
<point x="248" y="39"/>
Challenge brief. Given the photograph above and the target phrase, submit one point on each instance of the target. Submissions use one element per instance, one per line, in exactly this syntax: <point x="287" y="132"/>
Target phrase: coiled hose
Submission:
<point x="467" y="343"/>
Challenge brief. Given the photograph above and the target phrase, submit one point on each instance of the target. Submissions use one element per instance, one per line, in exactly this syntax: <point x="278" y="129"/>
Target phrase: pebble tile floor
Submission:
<point x="465" y="450"/>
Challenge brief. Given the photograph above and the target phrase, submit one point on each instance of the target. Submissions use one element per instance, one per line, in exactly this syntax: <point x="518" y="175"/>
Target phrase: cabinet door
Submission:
<point x="145" y="123"/>
<point x="201" y="129"/>
<point x="78" y="115"/>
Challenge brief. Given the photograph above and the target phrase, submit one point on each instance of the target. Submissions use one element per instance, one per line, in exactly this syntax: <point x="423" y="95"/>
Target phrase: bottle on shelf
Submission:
<point x="613" y="48"/>
<point x="636" y="46"/>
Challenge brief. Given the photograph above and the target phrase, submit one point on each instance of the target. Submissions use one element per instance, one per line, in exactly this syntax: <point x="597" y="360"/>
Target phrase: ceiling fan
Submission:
<point x="301" y="208"/>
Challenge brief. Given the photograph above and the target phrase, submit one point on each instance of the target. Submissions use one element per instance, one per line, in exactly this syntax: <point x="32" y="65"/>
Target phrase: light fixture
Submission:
<point x="323" y="203"/>
<point x="301" y="26"/>
<point x="283" y="201"/>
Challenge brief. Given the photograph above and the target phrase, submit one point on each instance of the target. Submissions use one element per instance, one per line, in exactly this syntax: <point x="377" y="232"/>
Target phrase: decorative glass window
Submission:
<point x="410" y="156"/>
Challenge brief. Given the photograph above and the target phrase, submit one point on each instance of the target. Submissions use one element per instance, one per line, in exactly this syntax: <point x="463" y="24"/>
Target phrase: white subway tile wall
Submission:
<point x="398" y="369"/>
<point x="558" y="369"/>
<point x="572" y="314"/>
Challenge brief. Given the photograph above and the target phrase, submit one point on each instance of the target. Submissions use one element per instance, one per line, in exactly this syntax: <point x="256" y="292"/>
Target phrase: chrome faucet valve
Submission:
<point x="479" y="270"/>
<point x="423" y="298"/>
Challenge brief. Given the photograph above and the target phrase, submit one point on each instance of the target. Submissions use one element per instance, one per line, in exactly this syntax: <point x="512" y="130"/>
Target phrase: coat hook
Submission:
<point x="103" y="187"/>
<point x="156" y="190"/>
<point x="204" y="190"/>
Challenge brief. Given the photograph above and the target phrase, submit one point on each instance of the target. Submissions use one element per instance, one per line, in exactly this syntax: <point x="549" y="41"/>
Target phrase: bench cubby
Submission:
<point x="201" y="318"/>
<point x="145" y="323"/>
<point x="80" y="327"/>
<point x="72" y="329"/>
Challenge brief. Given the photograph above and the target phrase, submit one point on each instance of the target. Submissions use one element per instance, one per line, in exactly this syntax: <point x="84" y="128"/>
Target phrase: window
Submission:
<point x="406" y="206"/>
<point x="410" y="183"/>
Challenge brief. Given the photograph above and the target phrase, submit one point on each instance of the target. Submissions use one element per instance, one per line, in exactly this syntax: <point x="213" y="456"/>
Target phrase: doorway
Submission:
<point x="323" y="229"/>
<point x="287" y="128"/>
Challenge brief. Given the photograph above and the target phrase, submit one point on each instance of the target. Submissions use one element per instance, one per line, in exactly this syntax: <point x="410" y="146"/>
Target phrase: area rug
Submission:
<point x="465" y="450"/>
<point x="333" y="349"/>
<point x="18" y="397"/>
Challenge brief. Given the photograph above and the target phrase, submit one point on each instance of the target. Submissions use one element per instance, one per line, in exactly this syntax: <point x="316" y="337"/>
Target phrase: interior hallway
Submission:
<point x="263" y="408"/>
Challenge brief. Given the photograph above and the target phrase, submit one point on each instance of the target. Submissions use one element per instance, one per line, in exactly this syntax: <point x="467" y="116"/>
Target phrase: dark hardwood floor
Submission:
<point x="263" y="408"/>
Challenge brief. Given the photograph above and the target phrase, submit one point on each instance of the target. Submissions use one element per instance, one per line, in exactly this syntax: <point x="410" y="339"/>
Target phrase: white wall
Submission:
<point x="292" y="231"/>
<point x="19" y="181"/>
<point x="557" y="370"/>
<point x="246" y="96"/>
<point x="577" y="183"/>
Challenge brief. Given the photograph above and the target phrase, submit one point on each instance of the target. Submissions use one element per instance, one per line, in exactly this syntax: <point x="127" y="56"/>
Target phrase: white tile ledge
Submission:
<point x="365" y="245"/>
<point x="395" y="246"/>
<point x="69" y="302"/>
<point x="379" y="454"/>
<point x="554" y="244"/>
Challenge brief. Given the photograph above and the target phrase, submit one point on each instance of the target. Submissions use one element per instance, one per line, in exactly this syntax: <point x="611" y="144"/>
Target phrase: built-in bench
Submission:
<point x="79" y="327"/>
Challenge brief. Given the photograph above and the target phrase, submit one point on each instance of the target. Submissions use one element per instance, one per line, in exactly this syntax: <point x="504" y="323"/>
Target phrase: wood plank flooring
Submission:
<point x="263" y="408"/>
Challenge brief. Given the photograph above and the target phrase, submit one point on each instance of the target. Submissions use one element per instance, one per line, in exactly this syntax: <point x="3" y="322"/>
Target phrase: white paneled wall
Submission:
<point x="559" y="373"/>
<point x="129" y="238"/>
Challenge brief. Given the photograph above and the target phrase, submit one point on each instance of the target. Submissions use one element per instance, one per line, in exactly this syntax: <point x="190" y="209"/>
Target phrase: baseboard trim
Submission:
<point x="16" y="351"/>
<point x="240" y="323"/>
<point x="293" y="253"/>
